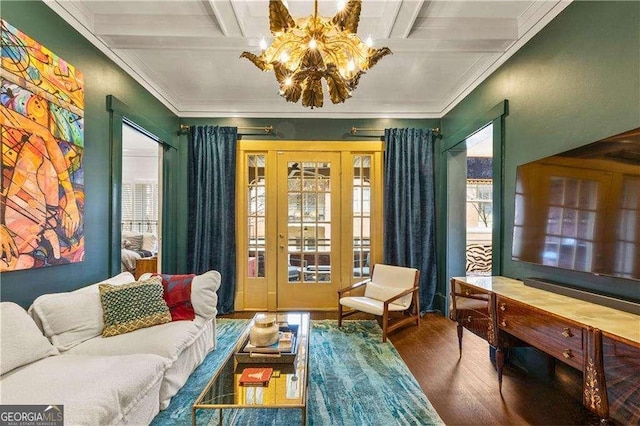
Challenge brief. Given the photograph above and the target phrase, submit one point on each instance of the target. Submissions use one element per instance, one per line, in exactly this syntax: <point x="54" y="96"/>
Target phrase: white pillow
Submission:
<point x="22" y="342"/>
<point x="69" y="319"/>
<point x="204" y="296"/>
<point x="135" y="239"/>
<point x="149" y="242"/>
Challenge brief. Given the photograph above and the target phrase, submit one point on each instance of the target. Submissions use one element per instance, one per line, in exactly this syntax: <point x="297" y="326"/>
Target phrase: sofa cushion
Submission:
<point x="368" y="304"/>
<point x="204" y="296"/>
<point x="95" y="390"/>
<point x="121" y="278"/>
<point x="129" y="307"/>
<point x="177" y="294"/>
<point x="71" y="318"/>
<point x="22" y="341"/>
<point x="165" y="340"/>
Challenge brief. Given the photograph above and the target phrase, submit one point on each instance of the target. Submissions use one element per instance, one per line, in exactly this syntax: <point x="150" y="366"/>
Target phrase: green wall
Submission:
<point x="102" y="78"/>
<point x="301" y="129"/>
<point x="575" y="82"/>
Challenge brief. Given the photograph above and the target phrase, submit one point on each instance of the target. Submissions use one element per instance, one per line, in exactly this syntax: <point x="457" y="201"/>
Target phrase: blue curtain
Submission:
<point x="409" y="206"/>
<point x="212" y="203"/>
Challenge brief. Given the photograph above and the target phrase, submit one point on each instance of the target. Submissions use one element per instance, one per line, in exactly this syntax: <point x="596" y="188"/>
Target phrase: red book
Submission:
<point x="255" y="376"/>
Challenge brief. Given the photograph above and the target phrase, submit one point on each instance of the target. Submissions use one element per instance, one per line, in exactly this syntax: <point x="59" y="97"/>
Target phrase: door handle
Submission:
<point x="281" y="235"/>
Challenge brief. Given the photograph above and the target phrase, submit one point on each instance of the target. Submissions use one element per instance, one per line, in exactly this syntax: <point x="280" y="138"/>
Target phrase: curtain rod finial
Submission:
<point x="183" y="129"/>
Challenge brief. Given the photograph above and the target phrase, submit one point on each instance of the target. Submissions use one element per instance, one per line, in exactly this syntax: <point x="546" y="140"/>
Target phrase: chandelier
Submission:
<point x="306" y="50"/>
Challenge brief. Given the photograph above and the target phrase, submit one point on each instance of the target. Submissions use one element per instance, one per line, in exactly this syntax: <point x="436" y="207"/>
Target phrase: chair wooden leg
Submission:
<point x="385" y="324"/>
<point x="339" y="315"/>
<point x="416" y="297"/>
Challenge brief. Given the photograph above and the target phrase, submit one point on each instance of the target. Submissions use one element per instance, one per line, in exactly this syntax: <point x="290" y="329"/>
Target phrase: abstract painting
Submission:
<point x="42" y="134"/>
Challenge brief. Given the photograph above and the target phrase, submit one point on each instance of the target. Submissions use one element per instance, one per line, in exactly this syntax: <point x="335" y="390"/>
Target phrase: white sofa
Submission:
<point x="58" y="356"/>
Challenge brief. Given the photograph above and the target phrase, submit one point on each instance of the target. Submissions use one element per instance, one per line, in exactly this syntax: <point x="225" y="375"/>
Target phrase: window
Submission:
<point x="140" y="207"/>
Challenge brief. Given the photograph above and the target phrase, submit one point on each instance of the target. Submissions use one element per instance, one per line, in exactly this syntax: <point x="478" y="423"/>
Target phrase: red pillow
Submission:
<point x="177" y="295"/>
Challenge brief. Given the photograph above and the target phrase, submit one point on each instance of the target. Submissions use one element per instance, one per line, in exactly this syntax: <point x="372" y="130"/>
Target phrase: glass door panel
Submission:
<point x="361" y="215"/>
<point x="256" y="216"/>
<point x="308" y="249"/>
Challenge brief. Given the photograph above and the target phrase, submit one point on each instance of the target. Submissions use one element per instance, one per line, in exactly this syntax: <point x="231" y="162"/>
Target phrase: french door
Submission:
<point x="309" y="237"/>
<point x="309" y="221"/>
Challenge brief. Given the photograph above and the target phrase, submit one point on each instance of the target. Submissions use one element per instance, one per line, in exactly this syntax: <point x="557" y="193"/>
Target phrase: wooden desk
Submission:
<point x="602" y="342"/>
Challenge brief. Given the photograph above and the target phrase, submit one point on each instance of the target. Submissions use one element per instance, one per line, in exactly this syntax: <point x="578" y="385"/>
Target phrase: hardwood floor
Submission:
<point x="464" y="391"/>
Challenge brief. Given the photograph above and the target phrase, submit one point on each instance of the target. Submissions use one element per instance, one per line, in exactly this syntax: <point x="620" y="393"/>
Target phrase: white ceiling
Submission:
<point x="186" y="52"/>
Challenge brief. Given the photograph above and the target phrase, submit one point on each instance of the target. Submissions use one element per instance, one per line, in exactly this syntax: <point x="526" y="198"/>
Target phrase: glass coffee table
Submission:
<point x="287" y="387"/>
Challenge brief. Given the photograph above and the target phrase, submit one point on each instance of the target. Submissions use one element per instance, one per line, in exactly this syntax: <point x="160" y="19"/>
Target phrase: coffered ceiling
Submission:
<point x="186" y="52"/>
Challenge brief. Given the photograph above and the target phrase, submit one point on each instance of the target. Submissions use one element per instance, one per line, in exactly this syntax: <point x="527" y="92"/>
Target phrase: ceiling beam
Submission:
<point x="465" y="28"/>
<point x="406" y="18"/>
<point x="225" y="15"/>
<point x="221" y="43"/>
<point x="154" y="25"/>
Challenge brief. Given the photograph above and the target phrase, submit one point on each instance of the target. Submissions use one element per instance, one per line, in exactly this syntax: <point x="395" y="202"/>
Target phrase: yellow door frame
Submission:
<point x="260" y="293"/>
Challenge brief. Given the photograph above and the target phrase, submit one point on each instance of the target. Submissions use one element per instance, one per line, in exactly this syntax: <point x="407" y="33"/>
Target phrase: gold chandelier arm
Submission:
<point x="348" y="18"/>
<point x="279" y="18"/>
<point x="379" y="54"/>
<point x="340" y="51"/>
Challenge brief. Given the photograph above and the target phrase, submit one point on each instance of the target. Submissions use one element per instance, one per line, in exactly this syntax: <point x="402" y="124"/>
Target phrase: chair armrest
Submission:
<point x="398" y="296"/>
<point x="353" y="287"/>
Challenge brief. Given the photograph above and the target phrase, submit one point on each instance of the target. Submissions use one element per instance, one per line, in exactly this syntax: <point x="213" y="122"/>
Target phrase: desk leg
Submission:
<point x="460" y="329"/>
<point x="499" y="365"/>
<point x="304" y="416"/>
<point x="594" y="386"/>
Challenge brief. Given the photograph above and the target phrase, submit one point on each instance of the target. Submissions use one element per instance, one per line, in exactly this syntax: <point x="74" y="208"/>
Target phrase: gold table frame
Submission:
<point x="287" y="388"/>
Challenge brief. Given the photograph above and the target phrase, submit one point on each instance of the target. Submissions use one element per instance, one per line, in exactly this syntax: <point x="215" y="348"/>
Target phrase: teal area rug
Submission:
<point x="355" y="379"/>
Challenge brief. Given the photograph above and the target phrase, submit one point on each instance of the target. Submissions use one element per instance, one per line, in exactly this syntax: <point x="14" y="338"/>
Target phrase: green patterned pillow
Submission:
<point x="129" y="307"/>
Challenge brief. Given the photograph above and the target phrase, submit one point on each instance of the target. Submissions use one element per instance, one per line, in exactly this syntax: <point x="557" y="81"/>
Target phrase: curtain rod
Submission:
<point x="267" y="129"/>
<point x="355" y="130"/>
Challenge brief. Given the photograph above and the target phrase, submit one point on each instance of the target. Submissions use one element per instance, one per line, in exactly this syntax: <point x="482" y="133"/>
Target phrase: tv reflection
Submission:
<point x="580" y="209"/>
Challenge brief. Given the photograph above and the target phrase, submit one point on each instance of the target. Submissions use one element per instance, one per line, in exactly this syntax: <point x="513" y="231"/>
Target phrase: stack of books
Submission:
<point x="284" y="344"/>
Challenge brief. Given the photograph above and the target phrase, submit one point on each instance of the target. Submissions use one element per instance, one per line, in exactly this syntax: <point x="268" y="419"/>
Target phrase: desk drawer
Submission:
<point x="472" y="310"/>
<point x="559" y="338"/>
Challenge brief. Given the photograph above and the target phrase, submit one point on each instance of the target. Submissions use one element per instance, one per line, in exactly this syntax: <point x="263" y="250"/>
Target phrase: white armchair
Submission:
<point x="390" y="289"/>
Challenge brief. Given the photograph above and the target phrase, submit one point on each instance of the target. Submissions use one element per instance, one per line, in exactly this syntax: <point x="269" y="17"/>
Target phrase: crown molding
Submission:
<point x="546" y="16"/>
<point x="80" y="26"/>
<point x="529" y="24"/>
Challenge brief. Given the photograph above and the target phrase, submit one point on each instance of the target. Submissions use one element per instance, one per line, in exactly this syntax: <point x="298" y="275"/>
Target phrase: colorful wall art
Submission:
<point x="41" y="118"/>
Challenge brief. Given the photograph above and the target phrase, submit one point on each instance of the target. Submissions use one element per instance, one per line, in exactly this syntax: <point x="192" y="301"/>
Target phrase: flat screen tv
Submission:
<point x="580" y="209"/>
